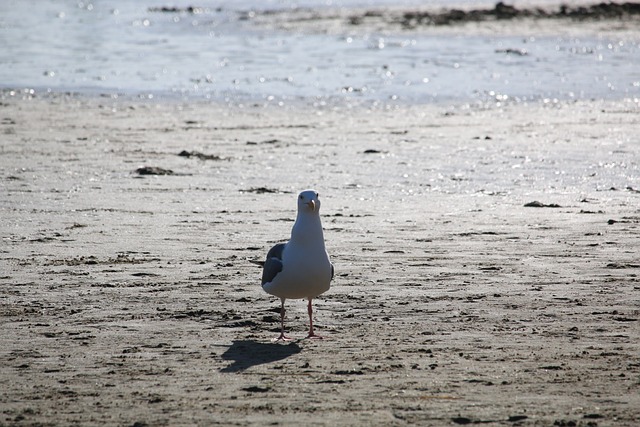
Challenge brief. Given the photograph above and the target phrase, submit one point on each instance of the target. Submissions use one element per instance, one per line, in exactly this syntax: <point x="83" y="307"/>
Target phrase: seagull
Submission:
<point x="301" y="267"/>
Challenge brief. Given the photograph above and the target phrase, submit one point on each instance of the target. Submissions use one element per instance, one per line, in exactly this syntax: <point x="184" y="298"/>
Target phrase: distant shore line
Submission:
<point x="413" y="18"/>
<point x="502" y="11"/>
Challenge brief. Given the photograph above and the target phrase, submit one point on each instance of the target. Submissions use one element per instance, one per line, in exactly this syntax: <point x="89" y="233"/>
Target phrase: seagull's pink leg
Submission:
<point x="282" y="336"/>
<point x="311" y="333"/>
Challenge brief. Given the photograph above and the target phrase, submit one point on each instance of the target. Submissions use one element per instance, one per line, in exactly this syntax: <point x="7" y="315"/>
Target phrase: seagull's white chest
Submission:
<point x="306" y="272"/>
<point x="306" y="268"/>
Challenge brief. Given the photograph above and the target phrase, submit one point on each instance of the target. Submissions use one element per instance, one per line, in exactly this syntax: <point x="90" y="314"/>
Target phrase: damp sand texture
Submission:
<point x="135" y="299"/>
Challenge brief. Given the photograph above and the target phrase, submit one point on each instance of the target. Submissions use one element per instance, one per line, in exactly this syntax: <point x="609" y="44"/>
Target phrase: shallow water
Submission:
<point x="121" y="47"/>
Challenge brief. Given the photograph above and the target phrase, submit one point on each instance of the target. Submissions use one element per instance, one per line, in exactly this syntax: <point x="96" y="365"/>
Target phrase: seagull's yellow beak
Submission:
<point x="312" y="205"/>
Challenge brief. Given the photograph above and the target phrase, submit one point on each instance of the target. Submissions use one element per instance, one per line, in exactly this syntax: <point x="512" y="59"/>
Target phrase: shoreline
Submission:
<point x="490" y="101"/>
<point x="565" y="19"/>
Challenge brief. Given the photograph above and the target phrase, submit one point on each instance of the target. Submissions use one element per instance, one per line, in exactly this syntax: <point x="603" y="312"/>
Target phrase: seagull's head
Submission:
<point x="308" y="201"/>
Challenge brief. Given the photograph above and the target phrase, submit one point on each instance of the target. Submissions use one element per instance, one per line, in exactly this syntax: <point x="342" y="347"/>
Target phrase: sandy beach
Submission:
<point x="486" y="264"/>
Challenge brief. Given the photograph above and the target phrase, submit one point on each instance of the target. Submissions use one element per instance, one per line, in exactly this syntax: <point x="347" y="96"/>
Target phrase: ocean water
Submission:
<point x="122" y="47"/>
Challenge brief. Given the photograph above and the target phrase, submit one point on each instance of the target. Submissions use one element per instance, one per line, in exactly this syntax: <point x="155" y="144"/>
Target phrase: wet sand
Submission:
<point x="130" y="295"/>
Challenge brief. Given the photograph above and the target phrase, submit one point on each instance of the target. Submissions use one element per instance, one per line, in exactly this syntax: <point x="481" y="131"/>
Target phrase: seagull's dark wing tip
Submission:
<point x="272" y="267"/>
<point x="273" y="263"/>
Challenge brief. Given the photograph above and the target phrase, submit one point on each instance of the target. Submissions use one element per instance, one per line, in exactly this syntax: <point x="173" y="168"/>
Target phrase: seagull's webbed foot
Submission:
<point x="314" y="336"/>
<point x="282" y="337"/>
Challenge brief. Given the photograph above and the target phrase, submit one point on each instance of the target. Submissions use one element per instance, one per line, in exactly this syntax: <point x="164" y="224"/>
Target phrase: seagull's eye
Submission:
<point x="317" y="195"/>
<point x="301" y="197"/>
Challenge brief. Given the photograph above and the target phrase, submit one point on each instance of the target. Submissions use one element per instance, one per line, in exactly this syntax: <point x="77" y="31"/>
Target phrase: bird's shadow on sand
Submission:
<point x="245" y="354"/>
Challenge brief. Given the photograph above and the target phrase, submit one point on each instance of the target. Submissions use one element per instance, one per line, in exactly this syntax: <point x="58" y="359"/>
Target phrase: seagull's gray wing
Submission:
<point x="332" y="271"/>
<point x="273" y="264"/>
